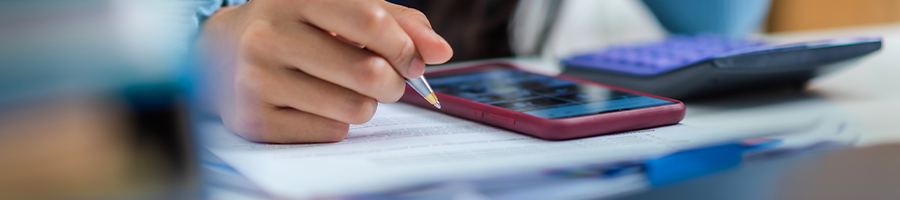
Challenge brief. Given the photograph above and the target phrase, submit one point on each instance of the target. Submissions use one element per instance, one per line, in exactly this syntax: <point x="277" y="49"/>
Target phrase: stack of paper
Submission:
<point x="404" y="145"/>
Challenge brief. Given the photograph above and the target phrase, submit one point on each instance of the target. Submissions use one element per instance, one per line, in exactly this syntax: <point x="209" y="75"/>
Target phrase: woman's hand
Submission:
<point x="294" y="71"/>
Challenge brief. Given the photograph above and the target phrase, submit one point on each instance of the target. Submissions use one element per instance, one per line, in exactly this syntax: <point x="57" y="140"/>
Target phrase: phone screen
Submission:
<point x="538" y="95"/>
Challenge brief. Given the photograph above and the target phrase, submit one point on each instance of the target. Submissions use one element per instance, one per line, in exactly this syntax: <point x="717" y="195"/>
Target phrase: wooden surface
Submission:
<point x="794" y="15"/>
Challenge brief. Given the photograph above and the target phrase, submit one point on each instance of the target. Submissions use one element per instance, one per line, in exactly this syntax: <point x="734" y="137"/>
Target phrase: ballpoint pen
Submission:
<point x="421" y="86"/>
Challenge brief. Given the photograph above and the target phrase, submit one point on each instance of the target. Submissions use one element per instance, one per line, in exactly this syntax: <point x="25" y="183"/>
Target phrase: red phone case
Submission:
<point x="550" y="129"/>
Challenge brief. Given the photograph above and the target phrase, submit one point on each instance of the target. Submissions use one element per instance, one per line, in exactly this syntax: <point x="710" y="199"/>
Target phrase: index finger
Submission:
<point x="368" y="23"/>
<point x="433" y="48"/>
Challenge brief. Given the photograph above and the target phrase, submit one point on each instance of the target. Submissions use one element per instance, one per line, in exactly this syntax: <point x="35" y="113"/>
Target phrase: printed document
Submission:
<point x="405" y="145"/>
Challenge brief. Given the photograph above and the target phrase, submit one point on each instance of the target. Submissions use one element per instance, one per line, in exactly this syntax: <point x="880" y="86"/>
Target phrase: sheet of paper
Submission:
<point x="404" y="145"/>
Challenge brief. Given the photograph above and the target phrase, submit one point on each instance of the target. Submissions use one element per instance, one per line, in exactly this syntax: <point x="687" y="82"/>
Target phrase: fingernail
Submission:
<point x="416" y="68"/>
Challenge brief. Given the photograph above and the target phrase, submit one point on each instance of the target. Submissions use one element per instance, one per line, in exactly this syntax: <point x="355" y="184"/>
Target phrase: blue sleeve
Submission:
<point x="208" y="7"/>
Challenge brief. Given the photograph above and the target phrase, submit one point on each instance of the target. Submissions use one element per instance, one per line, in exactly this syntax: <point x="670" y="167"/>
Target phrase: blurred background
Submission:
<point x="94" y="94"/>
<point x="91" y="105"/>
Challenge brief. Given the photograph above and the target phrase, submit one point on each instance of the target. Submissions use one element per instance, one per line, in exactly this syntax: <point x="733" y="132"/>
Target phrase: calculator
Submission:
<point x="703" y="65"/>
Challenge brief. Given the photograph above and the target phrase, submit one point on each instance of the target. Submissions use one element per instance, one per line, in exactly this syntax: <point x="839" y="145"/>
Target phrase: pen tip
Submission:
<point x="437" y="104"/>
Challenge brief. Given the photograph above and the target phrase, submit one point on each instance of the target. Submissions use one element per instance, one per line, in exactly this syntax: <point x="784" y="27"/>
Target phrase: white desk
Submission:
<point x="865" y="95"/>
<point x="868" y="92"/>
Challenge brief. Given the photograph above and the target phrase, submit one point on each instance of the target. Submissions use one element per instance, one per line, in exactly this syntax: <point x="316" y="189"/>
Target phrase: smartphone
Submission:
<point x="547" y="107"/>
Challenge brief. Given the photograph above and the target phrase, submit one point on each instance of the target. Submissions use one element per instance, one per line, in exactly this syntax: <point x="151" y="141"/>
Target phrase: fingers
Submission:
<point x="285" y="125"/>
<point x="319" y="54"/>
<point x="288" y="106"/>
<point x="293" y="126"/>
<point x="295" y="89"/>
<point x="370" y="24"/>
<point x="431" y="46"/>
<point x="249" y="115"/>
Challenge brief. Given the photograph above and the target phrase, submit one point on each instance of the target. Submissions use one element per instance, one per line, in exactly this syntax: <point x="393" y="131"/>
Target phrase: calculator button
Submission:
<point x="654" y="58"/>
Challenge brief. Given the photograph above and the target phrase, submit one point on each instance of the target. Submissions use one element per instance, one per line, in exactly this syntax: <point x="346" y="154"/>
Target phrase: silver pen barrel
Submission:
<point x="421" y="86"/>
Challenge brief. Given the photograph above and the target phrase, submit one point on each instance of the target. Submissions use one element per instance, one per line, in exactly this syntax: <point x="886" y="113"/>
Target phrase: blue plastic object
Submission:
<point x="655" y="58"/>
<point x="693" y="163"/>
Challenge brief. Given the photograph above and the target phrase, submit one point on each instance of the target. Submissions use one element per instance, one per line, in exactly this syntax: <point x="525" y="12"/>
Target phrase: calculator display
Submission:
<point x="538" y="95"/>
